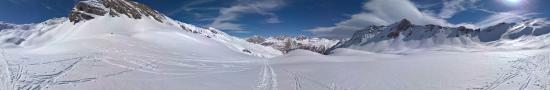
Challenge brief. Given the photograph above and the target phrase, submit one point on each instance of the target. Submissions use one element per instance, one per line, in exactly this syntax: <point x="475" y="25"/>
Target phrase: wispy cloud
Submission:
<point x="189" y="6"/>
<point x="450" y="8"/>
<point x="378" y="12"/>
<point x="499" y="17"/>
<point x="48" y="7"/>
<point x="384" y="12"/>
<point x="227" y="16"/>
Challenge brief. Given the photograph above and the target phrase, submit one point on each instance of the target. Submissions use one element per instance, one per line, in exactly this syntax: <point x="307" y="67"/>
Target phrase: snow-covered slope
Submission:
<point x="429" y="70"/>
<point x="99" y="53"/>
<point x="405" y="36"/>
<point x="93" y="19"/>
<point x="121" y="45"/>
<point x="286" y="43"/>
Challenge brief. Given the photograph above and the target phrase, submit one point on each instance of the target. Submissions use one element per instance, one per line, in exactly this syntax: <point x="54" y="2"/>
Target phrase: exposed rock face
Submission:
<point x="88" y="9"/>
<point x="402" y="26"/>
<point x="256" y="40"/>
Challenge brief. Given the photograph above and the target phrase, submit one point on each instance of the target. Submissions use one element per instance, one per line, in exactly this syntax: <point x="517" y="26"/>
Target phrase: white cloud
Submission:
<point x="499" y="17"/>
<point x="227" y="26"/>
<point x="273" y="19"/>
<point x="379" y="12"/>
<point x="188" y="6"/>
<point x="450" y="8"/>
<point x="263" y="7"/>
<point x="385" y="12"/>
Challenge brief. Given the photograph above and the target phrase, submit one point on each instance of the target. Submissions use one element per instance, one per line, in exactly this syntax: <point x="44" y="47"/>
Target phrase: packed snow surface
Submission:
<point x="144" y="66"/>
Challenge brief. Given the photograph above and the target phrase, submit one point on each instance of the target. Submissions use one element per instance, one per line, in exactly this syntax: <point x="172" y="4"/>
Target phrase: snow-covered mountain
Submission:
<point x="13" y="35"/>
<point x="287" y="43"/>
<point x="404" y="35"/>
<point x="103" y="19"/>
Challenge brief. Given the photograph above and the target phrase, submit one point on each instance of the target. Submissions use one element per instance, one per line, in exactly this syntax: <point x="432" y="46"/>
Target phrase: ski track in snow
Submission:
<point x="300" y="79"/>
<point x="21" y="75"/>
<point x="525" y="74"/>
<point x="268" y="78"/>
<point x="25" y="80"/>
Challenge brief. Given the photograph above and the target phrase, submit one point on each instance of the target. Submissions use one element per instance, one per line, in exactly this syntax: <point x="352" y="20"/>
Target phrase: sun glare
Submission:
<point x="513" y="2"/>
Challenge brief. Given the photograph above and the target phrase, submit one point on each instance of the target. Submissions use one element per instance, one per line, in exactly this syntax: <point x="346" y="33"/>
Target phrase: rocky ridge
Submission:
<point x="86" y="10"/>
<point x="287" y="43"/>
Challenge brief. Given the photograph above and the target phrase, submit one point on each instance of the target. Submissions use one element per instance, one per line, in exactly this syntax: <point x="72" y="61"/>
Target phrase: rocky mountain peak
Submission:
<point x="404" y="24"/>
<point x="256" y="39"/>
<point x="89" y="9"/>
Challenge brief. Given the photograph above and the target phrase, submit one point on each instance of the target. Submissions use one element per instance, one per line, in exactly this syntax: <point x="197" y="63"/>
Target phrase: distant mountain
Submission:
<point x="102" y="20"/>
<point x="12" y="35"/>
<point x="286" y="43"/>
<point x="405" y="35"/>
<point x="4" y="25"/>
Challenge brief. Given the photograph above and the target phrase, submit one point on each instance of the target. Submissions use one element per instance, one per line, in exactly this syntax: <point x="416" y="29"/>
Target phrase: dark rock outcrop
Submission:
<point x="402" y="26"/>
<point x="256" y="40"/>
<point x="88" y="9"/>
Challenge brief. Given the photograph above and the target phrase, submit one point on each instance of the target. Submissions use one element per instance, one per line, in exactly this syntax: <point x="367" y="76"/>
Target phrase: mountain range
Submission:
<point x="287" y="43"/>
<point x="404" y="35"/>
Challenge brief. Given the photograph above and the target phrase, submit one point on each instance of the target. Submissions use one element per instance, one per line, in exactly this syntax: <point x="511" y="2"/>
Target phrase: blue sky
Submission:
<point x="324" y="18"/>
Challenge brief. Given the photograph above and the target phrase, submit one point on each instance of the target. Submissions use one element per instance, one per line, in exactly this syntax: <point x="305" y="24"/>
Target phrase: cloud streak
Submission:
<point x="499" y="17"/>
<point x="225" y="21"/>
<point x="385" y="12"/>
<point x="189" y="6"/>
<point x="450" y="8"/>
<point x="378" y="12"/>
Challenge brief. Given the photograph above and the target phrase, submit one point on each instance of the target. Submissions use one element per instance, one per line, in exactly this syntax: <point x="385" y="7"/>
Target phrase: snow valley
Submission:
<point x="126" y="45"/>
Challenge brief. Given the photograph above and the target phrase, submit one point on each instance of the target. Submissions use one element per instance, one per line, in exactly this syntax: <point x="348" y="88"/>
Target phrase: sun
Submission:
<point x="513" y="2"/>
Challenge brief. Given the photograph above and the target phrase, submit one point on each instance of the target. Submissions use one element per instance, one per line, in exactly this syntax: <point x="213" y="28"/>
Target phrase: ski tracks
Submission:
<point x="526" y="73"/>
<point x="40" y="81"/>
<point x="37" y="76"/>
<point x="267" y="79"/>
